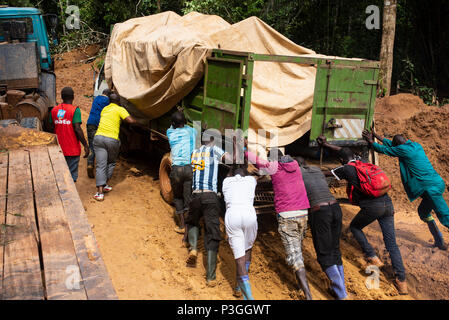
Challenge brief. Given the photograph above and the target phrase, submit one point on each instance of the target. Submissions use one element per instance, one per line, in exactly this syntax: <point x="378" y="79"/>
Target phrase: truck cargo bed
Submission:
<point x="47" y="248"/>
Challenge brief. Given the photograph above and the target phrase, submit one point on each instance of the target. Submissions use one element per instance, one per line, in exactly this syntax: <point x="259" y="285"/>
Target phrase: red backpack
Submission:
<point x="373" y="180"/>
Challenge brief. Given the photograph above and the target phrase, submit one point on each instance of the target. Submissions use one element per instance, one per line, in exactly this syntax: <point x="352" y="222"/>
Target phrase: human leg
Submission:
<point x="336" y="227"/>
<point x="72" y="163"/>
<point x="192" y="222"/>
<point x="243" y="284"/>
<point x="243" y="278"/>
<point x="326" y="230"/>
<point x="365" y="217"/>
<point x="386" y="223"/>
<point x="439" y="206"/>
<point x="187" y="192"/>
<point x="176" y="182"/>
<point x="91" y="130"/>
<point x="291" y="236"/>
<point x="212" y="237"/>
<point x="102" y="161"/>
<point x="321" y="227"/>
<point x="291" y="231"/>
<point x="113" y="147"/>
<point x="425" y="208"/>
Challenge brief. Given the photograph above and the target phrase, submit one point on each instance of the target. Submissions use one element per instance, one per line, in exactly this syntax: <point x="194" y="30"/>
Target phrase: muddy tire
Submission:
<point x="164" y="179"/>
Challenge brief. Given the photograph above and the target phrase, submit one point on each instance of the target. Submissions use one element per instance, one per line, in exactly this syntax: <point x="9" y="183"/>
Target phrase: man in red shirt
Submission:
<point x="66" y="120"/>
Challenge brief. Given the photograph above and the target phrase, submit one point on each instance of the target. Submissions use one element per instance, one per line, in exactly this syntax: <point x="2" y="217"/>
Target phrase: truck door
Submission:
<point x="222" y="93"/>
<point x="343" y="105"/>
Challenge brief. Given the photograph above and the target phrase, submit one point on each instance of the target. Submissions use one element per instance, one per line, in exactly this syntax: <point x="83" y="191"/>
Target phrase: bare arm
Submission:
<point x="370" y="135"/>
<point x="80" y="135"/>
<point x="226" y="158"/>
<point x="322" y="141"/>
<point x="130" y="120"/>
<point x="327" y="173"/>
<point x="378" y="137"/>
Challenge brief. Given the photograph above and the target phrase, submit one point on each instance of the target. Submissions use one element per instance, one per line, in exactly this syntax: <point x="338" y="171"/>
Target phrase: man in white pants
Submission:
<point x="241" y="224"/>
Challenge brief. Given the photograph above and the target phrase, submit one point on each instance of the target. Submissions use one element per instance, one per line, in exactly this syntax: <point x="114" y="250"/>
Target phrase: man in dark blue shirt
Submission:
<point x="98" y="104"/>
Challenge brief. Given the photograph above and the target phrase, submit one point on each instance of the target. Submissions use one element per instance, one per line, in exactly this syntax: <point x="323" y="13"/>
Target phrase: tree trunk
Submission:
<point x="386" y="50"/>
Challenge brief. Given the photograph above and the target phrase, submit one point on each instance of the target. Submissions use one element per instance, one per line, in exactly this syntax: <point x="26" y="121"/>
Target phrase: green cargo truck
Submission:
<point x="343" y="105"/>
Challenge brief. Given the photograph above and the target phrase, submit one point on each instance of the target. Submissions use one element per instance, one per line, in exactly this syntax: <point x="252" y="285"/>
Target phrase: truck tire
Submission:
<point x="164" y="179"/>
<point x="31" y="123"/>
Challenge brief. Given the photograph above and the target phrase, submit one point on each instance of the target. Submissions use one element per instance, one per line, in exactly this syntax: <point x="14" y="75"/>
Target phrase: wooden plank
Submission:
<point x="22" y="269"/>
<point x="62" y="276"/>
<point x="3" y="182"/>
<point x="93" y="270"/>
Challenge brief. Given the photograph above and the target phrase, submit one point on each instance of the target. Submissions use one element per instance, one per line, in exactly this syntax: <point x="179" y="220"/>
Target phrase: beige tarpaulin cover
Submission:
<point x="155" y="61"/>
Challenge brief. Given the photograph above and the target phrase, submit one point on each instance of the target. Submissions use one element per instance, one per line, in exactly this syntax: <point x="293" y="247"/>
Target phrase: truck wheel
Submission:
<point x="164" y="178"/>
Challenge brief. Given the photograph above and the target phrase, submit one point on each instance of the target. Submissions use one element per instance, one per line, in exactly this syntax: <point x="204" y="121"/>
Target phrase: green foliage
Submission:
<point x="334" y="27"/>
<point x="231" y="10"/>
<point x="409" y="82"/>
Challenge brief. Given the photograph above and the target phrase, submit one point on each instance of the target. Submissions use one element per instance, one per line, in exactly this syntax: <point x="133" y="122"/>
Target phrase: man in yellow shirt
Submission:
<point x="107" y="143"/>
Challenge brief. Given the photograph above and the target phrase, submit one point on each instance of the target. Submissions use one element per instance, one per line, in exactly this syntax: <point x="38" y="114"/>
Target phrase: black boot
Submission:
<point x="211" y="267"/>
<point x="303" y="284"/>
<point x="436" y="233"/>
<point x="193" y="241"/>
<point x="193" y="233"/>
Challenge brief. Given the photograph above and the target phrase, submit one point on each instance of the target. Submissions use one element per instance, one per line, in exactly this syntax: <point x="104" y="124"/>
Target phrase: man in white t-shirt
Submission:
<point x="241" y="224"/>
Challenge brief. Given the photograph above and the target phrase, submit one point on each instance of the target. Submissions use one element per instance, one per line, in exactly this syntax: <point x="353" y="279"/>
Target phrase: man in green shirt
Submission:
<point x="419" y="178"/>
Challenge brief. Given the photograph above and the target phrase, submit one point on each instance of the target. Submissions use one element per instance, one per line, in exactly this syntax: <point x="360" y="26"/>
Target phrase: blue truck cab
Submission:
<point x="27" y="80"/>
<point x="36" y="30"/>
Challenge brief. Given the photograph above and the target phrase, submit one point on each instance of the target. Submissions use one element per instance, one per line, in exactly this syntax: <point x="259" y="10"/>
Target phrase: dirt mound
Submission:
<point x="77" y="56"/>
<point x="76" y="70"/>
<point x="424" y="124"/>
<point x="401" y="106"/>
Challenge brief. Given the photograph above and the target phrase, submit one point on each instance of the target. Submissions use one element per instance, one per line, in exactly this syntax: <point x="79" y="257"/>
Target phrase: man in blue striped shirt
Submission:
<point x="182" y="142"/>
<point x="205" y="204"/>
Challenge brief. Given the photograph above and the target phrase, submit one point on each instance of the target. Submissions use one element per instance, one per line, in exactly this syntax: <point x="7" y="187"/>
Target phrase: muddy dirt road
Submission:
<point x="146" y="260"/>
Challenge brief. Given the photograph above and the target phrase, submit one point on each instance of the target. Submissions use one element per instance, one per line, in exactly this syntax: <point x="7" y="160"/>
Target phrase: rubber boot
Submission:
<point x="337" y="283"/>
<point x="193" y="234"/>
<point x="193" y="242"/>
<point x="342" y="274"/>
<point x="211" y="266"/>
<point x="245" y="287"/>
<point x="436" y="233"/>
<point x="237" y="291"/>
<point x="303" y="284"/>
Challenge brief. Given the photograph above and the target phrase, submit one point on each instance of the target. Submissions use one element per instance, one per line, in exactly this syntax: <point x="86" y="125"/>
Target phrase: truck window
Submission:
<point x="29" y="25"/>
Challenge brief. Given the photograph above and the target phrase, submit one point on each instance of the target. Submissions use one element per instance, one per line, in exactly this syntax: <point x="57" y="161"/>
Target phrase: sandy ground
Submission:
<point x="146" y="260"/>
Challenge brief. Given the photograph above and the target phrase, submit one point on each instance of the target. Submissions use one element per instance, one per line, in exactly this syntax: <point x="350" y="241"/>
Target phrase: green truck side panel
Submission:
<point x="223" y="100"/>
<point x="345" y="90"/>
<point x="222" y="93"/>
<point x="342" y="95"/>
